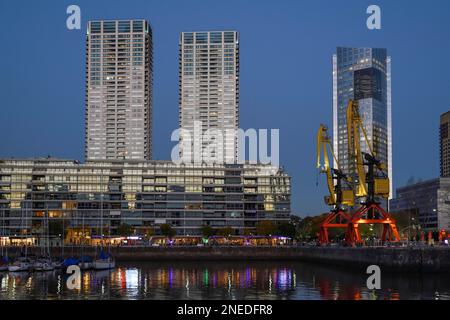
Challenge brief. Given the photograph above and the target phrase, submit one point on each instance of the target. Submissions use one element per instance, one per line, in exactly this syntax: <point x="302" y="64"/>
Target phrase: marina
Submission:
<point x="222" y="280"/>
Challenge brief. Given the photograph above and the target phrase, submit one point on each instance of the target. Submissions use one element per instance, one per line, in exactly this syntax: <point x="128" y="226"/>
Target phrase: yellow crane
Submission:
<point x="375" y="182"/>
<point x="338" y="196"/>
<point x="371" y="184"/>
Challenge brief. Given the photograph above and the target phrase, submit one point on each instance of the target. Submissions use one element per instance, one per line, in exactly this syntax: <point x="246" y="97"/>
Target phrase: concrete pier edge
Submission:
<point x="411" y="259"/>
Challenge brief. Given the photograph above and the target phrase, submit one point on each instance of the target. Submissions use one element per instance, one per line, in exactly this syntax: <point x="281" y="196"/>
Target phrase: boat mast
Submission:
<point x="101" y="218"/>
<point x="26" y="229"/>
<point x="47" y="232"/>
<point x="3" y="233"/>
<point x="44" y="231"/>
<point x="62" y="234"/>
<point x="82" y="237"/>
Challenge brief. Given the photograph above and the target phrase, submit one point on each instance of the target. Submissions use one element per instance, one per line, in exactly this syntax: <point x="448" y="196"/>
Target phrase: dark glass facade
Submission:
<point x="363" y="74"/>
<point x="421" y="197"/>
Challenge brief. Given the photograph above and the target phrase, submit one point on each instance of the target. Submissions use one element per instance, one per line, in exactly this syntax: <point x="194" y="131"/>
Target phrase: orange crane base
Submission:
<point x="371" y="214"/>
<point x="335" y="219"/>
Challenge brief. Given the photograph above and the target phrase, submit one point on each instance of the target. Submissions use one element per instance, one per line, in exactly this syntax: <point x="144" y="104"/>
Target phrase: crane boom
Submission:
<point x="337" y="195"/>
<point x="370" y="184"/>
<point x="322" y="142"/>
<point x="367" y="184"/>
<point x="354" y="146"/>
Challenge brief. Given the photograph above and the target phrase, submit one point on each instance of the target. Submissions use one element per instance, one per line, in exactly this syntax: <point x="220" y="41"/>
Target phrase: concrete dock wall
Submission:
<point x="399" y="259"/>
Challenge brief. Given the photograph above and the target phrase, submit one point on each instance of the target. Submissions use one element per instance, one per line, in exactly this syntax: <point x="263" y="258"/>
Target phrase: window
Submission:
<point x="188" y="38"/>
<point x="138" y="26"/>
<point x="109" y="26"/>
<point x="201" y="37"/>
<point x="124" y="26"/>
<point x="95" y="27"/>
<point x="215" y="37"/>
<point x="228" y="37"/>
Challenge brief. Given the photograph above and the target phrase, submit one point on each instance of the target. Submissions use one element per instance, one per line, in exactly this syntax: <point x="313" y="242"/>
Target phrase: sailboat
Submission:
<point x="44" y="263"/>
<point x="3" y="263"/>
<point x="70" y="261"/>
<point x="59" y="263"/>
<point x="86" y="262"/>
<point x="23" y="263"/>
<point x="4" y="254"/>
<point x="105" y="260"/>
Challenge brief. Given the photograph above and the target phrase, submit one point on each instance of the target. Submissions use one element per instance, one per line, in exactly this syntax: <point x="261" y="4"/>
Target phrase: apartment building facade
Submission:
<point x="209" y="93"/>
<point x="143" y="194"/>
<point x="118" y="119"/>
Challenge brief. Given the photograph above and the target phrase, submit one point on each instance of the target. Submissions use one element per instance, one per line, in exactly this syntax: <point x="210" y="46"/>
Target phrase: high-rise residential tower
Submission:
<point x="118" y="90"/>
<point x="364" y="75"/>
<point x="209" y="89"/>
<point x="444" y="145"/>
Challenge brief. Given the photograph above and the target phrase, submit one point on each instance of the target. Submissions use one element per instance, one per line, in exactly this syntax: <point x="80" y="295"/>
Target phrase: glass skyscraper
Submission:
<point x="118" y="90"/>
<point x="209" y="88"/>
<point x="364" y="75"/>
<point x="444" y="144"/>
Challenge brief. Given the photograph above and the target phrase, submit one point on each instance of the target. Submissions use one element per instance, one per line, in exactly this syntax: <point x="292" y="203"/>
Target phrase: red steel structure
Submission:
<point x="335" y="219"/>
<point x="338" y="196"/>
<point x="371" y="214"/>
<point x="371" y="185"/>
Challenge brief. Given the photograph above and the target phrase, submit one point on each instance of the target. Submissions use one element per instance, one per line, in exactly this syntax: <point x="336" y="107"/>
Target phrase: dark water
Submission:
<point x="223" y="280"/>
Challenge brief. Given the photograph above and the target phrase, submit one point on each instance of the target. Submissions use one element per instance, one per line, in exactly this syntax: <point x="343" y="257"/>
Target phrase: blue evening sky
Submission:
<point x="286" y="74"/>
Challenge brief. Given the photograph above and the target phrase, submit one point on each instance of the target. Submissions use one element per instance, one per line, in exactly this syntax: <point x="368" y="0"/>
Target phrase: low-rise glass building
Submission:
<point x="101" y="196"/>
<point x="430" y="199"/>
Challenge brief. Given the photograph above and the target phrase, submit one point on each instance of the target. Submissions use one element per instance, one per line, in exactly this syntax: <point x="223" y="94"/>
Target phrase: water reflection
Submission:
<point x="226" y="280"/>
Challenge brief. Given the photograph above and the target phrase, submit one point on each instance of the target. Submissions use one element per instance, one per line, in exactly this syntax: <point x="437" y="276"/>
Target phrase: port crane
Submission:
<point x="338" y="195"/>
<point x="371" y="185"/>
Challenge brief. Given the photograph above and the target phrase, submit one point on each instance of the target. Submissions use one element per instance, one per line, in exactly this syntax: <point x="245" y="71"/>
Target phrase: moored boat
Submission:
<point x="43" y="265"/>
<point x="86" y="262"/>
<point x="71" y="261"/>
<point x="3" y="263"/>
<point x="22" y="264"/>
<point x="105" y="261"/>
<point x="58" y="264"/>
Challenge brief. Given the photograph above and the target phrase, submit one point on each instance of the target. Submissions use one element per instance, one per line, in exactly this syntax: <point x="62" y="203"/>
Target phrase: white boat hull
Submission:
<point x="48" y="268"/>
<point x="103" y="265"/>
<point x="19" y="267"/>
<point x="86" y="265"/>
<point x="44" y="267"/>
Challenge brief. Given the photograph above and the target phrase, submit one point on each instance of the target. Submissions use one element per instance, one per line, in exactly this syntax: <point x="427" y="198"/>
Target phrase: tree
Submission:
<point x="207" y="231"/>
<point x="125" y="229"/>
<point x="249" y="232"/>
<point x="55" y="228"/>
<point x="167" y="230"/>
<point x="149" y="233"/>
<point x="310" y="226"/>
<point x="266" y="228"/>
<point x="99" y="230"/>
<point x="225" y="232"/>
<point x="286" y="229"/>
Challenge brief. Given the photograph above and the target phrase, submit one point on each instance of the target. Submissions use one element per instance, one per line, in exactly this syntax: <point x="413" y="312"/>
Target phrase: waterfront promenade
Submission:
<point x="411" y="259"/>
